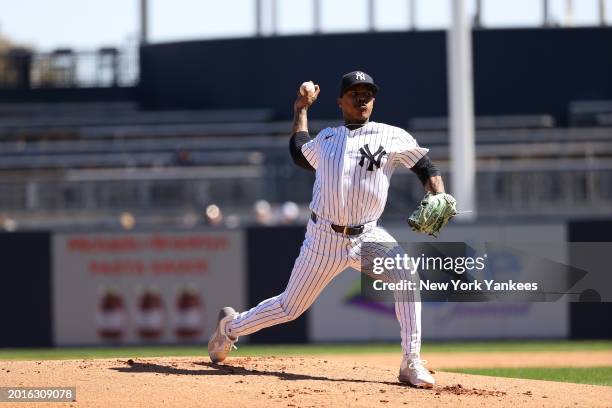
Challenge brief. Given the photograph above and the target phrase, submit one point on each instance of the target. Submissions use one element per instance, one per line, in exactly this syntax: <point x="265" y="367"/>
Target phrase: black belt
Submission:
<point x="354" y="230"/>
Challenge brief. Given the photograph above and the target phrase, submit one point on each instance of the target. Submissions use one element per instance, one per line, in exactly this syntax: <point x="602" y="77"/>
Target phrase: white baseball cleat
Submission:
<point x="220" y="343"/>
<point x="413" y="372"/>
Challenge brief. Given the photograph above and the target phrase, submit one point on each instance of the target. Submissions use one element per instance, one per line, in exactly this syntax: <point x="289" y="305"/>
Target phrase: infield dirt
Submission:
<point x="334" y="381"/>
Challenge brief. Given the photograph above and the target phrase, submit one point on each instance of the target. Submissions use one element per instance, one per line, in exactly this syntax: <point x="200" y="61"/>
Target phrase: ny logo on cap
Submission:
<point x="374" y="159"/>
<point x="360" y="75"/>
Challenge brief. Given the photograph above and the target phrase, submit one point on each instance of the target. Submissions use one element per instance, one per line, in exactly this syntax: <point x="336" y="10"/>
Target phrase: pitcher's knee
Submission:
<point x="290" y="311"/>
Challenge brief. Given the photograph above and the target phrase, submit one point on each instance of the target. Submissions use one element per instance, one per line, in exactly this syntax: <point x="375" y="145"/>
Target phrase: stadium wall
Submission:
<point x="68" y="289"/>
<point x="516" y="71"/>
<point x="25" y="304"/>
<point x="271" y="253"/>
<point x="589" y="320"/>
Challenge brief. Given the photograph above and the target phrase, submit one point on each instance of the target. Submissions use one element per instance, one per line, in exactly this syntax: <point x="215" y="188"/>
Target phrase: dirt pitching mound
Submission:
<point x="491" y="359"/>
<point x="279" y="382"/>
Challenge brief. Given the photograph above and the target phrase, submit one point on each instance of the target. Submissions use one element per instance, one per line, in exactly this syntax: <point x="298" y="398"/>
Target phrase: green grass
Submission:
<point x="310" y="349"/>
<point x="580" y="375"/>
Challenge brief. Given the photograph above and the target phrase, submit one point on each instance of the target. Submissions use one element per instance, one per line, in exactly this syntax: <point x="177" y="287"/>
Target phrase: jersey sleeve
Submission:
<point x="310" y="150"/>
<point x="407" y="150"/>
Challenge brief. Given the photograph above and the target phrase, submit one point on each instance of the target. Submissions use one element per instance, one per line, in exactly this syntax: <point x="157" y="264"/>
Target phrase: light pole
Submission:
<point x="545" y="13"/>
<point x="461" y="110"/>
<point x="412" y="14"/>
<point x="478" y="15"/>
<point x="258" y="19"/>
<point x="316" y="16"/>
<point x="144" y="21"/>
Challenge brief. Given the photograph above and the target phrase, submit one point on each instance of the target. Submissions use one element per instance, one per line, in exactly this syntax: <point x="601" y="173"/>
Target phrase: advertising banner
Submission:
<point x="131" y="288"/>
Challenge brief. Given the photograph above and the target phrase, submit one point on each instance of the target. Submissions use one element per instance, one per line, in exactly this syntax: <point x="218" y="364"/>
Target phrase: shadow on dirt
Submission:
<point x="219" y="369"/>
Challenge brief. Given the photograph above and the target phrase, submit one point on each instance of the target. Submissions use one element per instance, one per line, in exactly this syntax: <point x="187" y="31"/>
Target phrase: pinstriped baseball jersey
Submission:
<point x="354" y="168"/>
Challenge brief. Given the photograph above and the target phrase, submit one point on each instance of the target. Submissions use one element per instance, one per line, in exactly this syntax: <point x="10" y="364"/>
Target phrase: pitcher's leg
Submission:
<point x="380" y="244"/>
<point x="312" y="271"/>
<point x="409" y="315"/>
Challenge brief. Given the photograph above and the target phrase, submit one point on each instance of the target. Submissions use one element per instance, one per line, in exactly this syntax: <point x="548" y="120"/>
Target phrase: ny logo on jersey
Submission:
<point x="360" y="75"/>
<point x="373" y="158"/>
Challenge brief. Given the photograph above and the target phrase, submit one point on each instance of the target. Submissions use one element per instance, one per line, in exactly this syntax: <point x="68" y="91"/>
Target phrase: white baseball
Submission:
<point x="307" y="88"/>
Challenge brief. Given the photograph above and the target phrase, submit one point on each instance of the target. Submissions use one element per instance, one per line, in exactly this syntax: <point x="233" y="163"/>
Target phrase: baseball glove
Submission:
<point x="433" y="213"/>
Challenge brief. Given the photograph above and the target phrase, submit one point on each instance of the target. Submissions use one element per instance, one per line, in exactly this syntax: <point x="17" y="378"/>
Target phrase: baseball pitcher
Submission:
<point x="353" y="165"/>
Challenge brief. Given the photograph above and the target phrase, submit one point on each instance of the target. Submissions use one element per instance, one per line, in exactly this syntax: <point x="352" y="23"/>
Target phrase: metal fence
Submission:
<point x="501" y="194"/>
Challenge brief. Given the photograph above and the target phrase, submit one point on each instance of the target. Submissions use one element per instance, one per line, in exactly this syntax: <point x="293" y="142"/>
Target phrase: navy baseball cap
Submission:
<point x="354" y="78"/>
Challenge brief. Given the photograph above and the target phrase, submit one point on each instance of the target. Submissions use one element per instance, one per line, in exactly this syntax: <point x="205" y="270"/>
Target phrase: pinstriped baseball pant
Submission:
<point x="323" y="255"/>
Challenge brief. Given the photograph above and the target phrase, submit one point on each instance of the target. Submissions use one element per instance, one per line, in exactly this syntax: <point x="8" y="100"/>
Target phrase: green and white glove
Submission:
<point x="433" y="213"/>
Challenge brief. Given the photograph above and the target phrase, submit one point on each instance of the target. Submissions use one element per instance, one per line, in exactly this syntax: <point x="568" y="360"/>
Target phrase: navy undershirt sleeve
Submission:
<point x="425" y="169"/>
<point x="296" y="142"/>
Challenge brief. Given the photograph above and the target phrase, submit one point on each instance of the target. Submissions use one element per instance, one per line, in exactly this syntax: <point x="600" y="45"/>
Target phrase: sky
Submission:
<point x="90" y="24"/>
